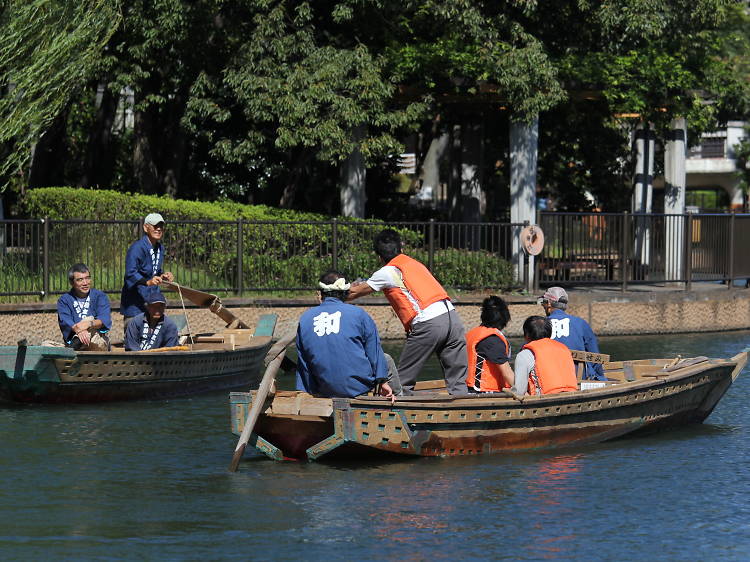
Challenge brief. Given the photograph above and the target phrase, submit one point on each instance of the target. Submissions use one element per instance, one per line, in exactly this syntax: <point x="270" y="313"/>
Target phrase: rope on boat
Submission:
<point x="184" y="311"/>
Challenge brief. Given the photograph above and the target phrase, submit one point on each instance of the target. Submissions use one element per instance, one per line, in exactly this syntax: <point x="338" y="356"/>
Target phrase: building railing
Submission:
<point x="624" y="248"/>
<point x="241" y="257"/>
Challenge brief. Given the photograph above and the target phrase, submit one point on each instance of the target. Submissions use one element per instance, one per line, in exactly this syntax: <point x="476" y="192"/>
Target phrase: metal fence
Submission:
<point x="624" y="248"/>
<point x="240" y="257"/>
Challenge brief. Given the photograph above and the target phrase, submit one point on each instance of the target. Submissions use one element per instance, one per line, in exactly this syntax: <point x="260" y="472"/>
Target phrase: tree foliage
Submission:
<point x="48" y="49"/>
<point x="257" y="100"/>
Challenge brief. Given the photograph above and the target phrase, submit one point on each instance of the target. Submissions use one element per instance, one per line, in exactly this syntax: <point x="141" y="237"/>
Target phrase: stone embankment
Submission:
<point x="641" y="310"/>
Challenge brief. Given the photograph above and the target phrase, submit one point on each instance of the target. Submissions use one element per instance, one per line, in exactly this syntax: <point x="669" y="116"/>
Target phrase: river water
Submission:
<point x="149" y="480"/>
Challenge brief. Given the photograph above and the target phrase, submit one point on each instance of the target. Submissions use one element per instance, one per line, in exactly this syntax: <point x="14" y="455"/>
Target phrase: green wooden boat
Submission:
<point x="228" y="359"/>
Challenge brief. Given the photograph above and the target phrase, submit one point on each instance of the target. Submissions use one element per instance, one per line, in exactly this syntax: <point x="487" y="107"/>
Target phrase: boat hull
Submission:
<point x="60" y="375"/>
<point x="443" y="426"/>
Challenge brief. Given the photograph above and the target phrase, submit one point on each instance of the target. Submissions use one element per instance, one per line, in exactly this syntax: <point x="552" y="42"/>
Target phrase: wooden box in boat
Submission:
<point x="643" y="395"/>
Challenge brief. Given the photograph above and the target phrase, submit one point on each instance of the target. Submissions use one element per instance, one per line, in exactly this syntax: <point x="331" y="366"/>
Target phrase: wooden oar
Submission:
<point x="276" y="355"/>
<point x="206" y="300"/>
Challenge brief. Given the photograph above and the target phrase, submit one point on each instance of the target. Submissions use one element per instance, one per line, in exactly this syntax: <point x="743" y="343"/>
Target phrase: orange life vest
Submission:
<point x="553" y="366"/>
<point x="423" y="287"/>
<point x="490" y="377"/>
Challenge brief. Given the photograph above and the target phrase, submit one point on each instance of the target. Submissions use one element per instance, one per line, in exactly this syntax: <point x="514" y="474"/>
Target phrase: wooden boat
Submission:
<point x="642" y="396"/>
<point x="229" y="359"/>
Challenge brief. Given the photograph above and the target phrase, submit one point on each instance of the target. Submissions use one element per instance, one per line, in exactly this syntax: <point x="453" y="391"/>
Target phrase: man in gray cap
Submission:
<point x="143" y="268"/>
<point x="571" y="330"/>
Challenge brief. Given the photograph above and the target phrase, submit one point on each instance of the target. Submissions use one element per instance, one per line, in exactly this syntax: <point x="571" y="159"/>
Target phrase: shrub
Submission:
<point x="282" y="249"/>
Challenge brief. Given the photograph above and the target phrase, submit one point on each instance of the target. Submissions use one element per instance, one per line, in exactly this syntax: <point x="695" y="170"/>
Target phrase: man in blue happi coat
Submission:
<point x="571" y="330"/>
<point x="152" y="329"/>
<point x="338" y="347"/>
<point x="143" y="268"/>
<point x="83" y="313"/>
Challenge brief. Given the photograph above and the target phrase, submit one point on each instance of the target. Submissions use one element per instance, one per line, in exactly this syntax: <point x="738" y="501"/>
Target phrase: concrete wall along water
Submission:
<point x="610" y="312"/>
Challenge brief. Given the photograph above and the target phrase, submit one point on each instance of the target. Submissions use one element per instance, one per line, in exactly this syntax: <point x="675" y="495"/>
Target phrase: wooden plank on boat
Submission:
<point x="237" y="337"/>
<point x="266" y="325"/>
<point x="429" y="385"/>
<point x="214" y="338"/>
<point x="300" y="403"/>
<point x="589" y="357"/>
<point x="685" y="363"/>
<point x="309" y="406"/>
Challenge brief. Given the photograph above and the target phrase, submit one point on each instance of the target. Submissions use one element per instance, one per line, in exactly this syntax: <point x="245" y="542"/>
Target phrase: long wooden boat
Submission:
<point x="229" y="359"/>
<point x="642" y="396"/>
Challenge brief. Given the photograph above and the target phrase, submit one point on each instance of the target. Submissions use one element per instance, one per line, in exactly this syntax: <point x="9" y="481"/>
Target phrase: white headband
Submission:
<point x="339" y="285"/>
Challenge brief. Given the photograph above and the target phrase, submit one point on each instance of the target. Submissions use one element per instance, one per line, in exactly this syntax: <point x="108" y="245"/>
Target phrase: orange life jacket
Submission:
<point x="490" y="377"/>
<point x="553" y="367"/>
<point x="423" y="287"/>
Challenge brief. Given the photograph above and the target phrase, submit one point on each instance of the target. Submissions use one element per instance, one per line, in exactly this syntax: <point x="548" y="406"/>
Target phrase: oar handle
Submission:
<point x="276" y="356"/>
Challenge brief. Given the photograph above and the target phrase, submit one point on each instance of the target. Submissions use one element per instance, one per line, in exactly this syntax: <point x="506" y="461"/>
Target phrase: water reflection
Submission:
<point x="149" y="480"/>
<point x="551" y="504"/>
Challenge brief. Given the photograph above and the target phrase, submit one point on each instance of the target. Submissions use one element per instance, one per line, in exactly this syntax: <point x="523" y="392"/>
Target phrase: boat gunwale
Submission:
<point x="622" y="387"/>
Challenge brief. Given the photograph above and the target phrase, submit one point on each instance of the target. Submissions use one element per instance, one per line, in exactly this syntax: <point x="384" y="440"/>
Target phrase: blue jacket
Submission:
<point x="167" y="336"/>
<point x="138" y="270"/>
<point x="575" y="333"/>
<point x="338" y="349"/>
<point x="67" y="316"/>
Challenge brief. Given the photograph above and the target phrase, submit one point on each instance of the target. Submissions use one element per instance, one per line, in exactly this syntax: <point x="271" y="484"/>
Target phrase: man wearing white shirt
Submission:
<point x="424" y="308"/>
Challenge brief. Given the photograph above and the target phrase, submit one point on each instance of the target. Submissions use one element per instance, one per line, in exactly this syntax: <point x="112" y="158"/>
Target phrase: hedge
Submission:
<point x="275" y="256"/>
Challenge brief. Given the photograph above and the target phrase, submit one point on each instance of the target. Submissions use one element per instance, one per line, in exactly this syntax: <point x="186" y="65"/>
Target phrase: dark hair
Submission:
<point x="329" y="277"/>
<point x="387" y="244"/>
<point x="537" y="328"/>
<point x="77" y="268"/>
<point x="495" y="313"/>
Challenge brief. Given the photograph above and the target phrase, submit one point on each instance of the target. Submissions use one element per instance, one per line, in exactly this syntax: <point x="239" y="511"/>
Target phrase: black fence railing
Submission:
<point x="240" y="256"/>
<point x="624" y="248"/>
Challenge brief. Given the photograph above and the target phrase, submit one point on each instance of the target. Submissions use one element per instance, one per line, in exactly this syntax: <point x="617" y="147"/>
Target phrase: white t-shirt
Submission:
<point x="524" y="364"/>
<point x="389" y="277"/>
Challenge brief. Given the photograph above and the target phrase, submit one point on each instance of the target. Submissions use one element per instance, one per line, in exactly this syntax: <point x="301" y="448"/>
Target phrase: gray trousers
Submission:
<point x="394" y="380"/>
<point x="443" y="335"/>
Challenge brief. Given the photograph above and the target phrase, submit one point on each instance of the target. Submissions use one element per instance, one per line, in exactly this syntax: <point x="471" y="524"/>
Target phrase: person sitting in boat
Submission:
<point x="488" y="349"/>
<point x="338" y="347"/>
<point x="424" y="308"/>
<point x="571" y="330"/>
<point x="144" y="263"/>
<point x="84" y="313"/>
<point x="544" y="365"/>
<point x="152" y="329"/>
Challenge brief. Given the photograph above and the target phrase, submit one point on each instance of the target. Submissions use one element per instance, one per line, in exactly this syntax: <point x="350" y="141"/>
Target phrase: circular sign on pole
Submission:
<point x="532" y="240"/>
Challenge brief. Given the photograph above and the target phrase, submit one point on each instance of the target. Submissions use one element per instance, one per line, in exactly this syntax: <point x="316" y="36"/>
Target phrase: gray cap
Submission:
<point x="555" y="294"/>
<point x="153" y="219"/>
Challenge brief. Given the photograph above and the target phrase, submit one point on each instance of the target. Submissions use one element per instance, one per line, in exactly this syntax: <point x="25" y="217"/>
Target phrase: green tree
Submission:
<point x="48" y="49"/>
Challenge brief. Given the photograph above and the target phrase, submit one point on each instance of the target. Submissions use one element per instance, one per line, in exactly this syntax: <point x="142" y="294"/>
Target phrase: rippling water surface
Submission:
<point x="148" y="480"/>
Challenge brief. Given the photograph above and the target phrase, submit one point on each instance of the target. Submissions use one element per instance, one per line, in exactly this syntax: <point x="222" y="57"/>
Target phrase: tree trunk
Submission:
<point x="99" y="159"/>
<point x="145" y="171"/>
<point x="173" y="148"/>
<point x="291" y="189"/>
<point x="48" y="161"/>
